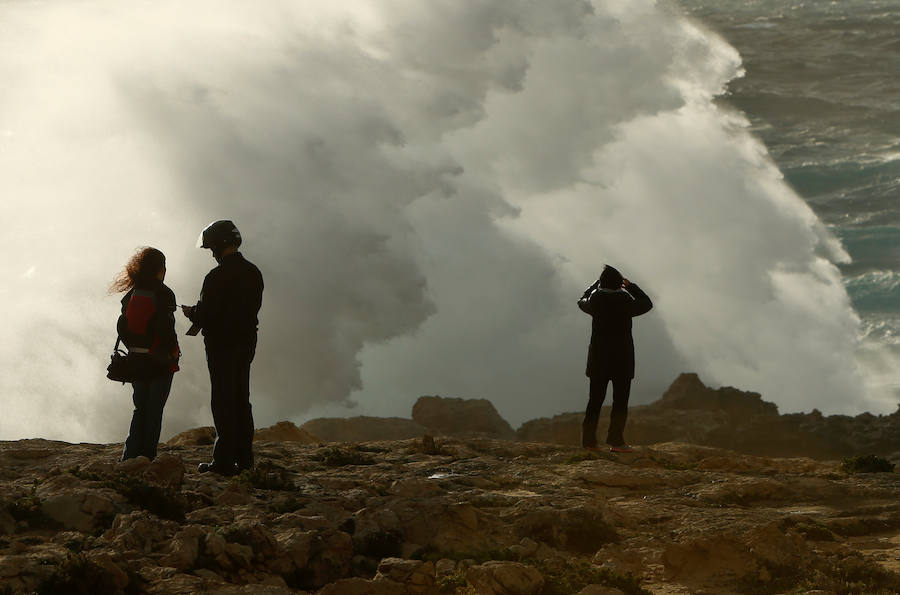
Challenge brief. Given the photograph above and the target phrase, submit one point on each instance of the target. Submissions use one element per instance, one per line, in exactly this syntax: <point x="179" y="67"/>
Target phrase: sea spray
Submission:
<point x="427" y="188"/>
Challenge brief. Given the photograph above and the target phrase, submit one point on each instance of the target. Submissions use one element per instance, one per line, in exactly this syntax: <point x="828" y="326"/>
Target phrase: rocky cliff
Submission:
<point x="688" y="411"/>
<point x="730" y="418"/>
<point x="461" y="510"/>
<point x="450" y="515"/>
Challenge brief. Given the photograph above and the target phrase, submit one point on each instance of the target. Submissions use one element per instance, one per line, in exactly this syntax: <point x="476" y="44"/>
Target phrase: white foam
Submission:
<point x="427" y="187"/>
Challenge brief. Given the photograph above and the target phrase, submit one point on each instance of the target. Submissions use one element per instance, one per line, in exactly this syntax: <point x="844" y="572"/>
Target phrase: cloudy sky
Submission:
<point x="427" y="188"/>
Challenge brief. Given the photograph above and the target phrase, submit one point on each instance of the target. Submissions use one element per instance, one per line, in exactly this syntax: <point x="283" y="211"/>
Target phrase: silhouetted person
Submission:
<point x="612" y="302"/>
<point x="147" y="328"/>
<point x="227" y="312"/>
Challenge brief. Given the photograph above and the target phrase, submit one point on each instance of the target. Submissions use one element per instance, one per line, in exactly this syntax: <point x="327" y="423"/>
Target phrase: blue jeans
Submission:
<point x="146" y="423"/>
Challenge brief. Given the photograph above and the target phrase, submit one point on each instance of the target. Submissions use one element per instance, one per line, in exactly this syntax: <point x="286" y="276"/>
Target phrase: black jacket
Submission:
<point x="611" y="353"/>
<point x="161" y="339"/>
<point x="230" y="301"/>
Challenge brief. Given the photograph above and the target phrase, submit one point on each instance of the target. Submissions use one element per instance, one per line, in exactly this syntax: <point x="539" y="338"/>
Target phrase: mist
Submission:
<point x="427" y="189"/>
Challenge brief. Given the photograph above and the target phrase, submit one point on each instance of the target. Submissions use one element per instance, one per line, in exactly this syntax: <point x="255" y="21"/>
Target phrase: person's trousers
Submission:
<point x="229" y="376"/>
<point x="149" y="398"/>
<point x="615" y="435"/>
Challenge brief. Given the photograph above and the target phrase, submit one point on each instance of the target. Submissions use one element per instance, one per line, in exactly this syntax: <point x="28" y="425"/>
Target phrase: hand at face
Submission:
<point x="625" y="283"/>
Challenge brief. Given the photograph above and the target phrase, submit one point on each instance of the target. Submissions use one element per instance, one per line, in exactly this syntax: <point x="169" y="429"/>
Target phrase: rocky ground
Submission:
<point x="448" y="515"/>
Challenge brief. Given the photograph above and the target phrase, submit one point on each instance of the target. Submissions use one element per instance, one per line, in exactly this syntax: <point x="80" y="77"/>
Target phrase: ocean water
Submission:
<point x="823" y="93"/>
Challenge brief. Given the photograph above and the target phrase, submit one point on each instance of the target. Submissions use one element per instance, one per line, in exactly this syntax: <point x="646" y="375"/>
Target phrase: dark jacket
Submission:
<point x="156" y="351"/>
<point x="611" y="353"/>
<point x="230" y="301"/>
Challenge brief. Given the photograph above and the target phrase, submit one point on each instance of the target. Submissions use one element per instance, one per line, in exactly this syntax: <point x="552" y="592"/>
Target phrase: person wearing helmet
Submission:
<point x="227" y="314"/>
<point x="611" y="301"/>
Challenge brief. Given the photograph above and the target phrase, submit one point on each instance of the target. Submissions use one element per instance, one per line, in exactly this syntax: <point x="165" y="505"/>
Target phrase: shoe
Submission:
<point x="621" y="448"/>
<point x="209" y="467"/>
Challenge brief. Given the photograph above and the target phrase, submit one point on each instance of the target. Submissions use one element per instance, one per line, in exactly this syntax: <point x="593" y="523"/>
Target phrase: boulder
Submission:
<point x="284" y="431"/>
<point x="195" y="437"/>
<point x="417" y="575"/>
<point x="330" y="555"/>
<point x="600" y="590"/>
<point x="564" y="428"/>
<point x="184" y="548"/>
<point x="66" y="500"/>
<point x="166" y="471"/>
<point x="461" y="417"/>
<point x="505" y="578"/>
<point x="363" y="429"/>
<point x="688" y="392"/>
<point x="377" y="532"/>
<point x="7" y="523"/>
<point x="361" y="586"/>
<point x="139" y="531"/>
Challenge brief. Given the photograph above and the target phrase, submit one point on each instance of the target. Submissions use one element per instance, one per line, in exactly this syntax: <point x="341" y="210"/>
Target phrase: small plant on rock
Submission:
<point x="78" y="472"/>
<point x="28" y="508"/>
<point x="866" y="464"/>
<point x="452" y="583"/>
<point x="163" y="502"/>
<point x="284" y="505"/>
<point x="334" y="456"/>
<point x="853" y="574"/>
<point x="576" y="575"/>
<point x="76" y="575"/>
<point x="267" y="476"/>
<point x="587" y="455"/>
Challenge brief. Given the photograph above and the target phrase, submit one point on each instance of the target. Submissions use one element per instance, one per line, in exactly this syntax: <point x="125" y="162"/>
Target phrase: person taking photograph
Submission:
<point x="612" y="301"/>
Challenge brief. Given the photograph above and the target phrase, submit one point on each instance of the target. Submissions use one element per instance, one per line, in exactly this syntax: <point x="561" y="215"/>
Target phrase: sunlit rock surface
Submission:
<point x="344" y="507"/>
<point x="450" y="516"/>
<point x="363" y="429"/>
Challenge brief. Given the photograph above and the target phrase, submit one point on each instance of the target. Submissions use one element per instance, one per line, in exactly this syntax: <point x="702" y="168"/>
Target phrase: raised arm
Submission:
<point x="641" y="303"/>
<point x="585" y="302"/>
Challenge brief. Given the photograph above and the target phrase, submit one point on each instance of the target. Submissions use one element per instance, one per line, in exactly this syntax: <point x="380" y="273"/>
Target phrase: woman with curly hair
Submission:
<point x="147" y="328"/>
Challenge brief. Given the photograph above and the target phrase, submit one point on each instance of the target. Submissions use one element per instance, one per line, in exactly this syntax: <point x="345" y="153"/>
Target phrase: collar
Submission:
<point x="231" y="257"/>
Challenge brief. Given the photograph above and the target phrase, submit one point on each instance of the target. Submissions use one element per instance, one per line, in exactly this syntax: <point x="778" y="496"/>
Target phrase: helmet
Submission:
<point x="219" y="234"/>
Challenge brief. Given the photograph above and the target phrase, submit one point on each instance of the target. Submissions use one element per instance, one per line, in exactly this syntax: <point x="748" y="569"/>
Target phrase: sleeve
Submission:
<point x="585" y="305"/>
<point x="122" y="321"/>
<point x="165" y="320"/>
<point x="258" y="292"/>
<point x="208" y="306"/>
<point x="585" y="302"/>
<point x="641" y="303"/>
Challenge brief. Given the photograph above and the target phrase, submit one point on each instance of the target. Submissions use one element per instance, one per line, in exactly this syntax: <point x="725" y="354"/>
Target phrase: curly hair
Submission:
<point x="141" y="268"/>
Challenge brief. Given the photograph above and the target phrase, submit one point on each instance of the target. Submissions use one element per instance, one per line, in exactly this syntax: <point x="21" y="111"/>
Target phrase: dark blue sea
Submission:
<point x="822" y="90"/>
